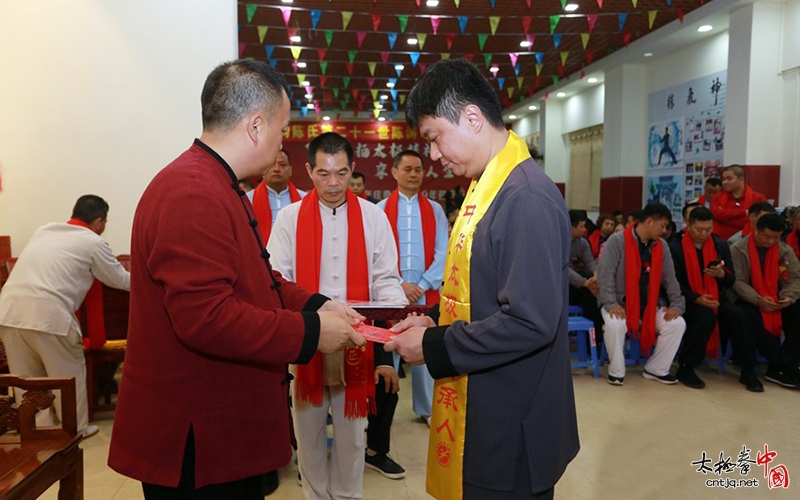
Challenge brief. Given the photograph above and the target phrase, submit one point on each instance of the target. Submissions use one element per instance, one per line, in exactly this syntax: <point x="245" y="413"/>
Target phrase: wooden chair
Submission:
<point x="33" y="459"/>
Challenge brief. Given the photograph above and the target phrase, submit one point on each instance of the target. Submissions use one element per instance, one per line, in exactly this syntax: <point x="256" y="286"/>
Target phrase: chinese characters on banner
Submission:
<point x="686" y="139"/>
<point x="374" y="145"/>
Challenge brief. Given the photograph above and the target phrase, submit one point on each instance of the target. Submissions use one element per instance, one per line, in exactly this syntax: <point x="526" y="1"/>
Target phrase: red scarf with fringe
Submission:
<point x="95" y="319"/>
<point x="702" y="283"/>
<point x="428" y="234"/>
<point x="765" y="282"/>
<point x="646" y="333"/>
<point x="359" y="365"/>
<point x="792" y="241"/>
<point x="264" y="211"/>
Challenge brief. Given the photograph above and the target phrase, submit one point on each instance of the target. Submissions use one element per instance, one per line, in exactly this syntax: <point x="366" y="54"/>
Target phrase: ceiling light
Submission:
<point x="432" y="3"/>
<point x="561" y="94"/>
<point x="295" y="39"/>
<point x="301" y="64"/>
<point x="287" y="1"/>
<point x="310" y="105"/>
<point x="326" y="118"/>
<point x="571" y="7"/>
<point x="305" y="83"/>
<point x="532" y="107"/>
<point x="381" y="119"/>
<point x="390" y="85"/>
<point x="704" y="28"/>
<point x="412" y="41"/>
<point x="494" y="69"/>
<point x="379" y="106"/>
<point x="399" y="67"/>
<point x="525" y="43"/>
<point x="648" y="54"/>
<point x="383" y="97"/>
<point x="309" y="96"/>
<point x="592" y="80"/>
<point x="512" y="117"/>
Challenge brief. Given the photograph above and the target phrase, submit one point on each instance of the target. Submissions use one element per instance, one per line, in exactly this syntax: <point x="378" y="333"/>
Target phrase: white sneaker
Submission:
<point x="89" y="431"/>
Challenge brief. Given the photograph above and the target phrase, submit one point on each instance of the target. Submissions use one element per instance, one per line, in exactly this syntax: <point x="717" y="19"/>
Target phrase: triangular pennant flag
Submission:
<point x="290" y="32"/>
<point x="528" y="2"/>
<point x="627" y="36"/>
<point x="346" y="16"/>
<point x="372" y="65"/>
<point x="450" y="37"/>
<point x="500" y="82"/>
<point x="482" y="39"/>
<point x="360" y="36"/>
<point x="269" y="49"/>
<point x="488" y="59"/>
<point x="530" y="39"/>
<point x="394" y="94"/>
<point x="347" y="96"/>
<point x="537" y="81"/>
<point x="458" y="3"/>
<point x="470" y="57"/>
<point x="304" y="111"/>
<point x="351" y="54"/>
<point x="526" y="23"/>
<point x="322" y="80"/>
<point x="585" y="40"/>
<point x="376" y="21"/>
<point x="309" y="89"/>
<point x="591" y="19"/>
<point x="563" y="4"/>
<point x="323" y="66"/>
<point x="298" y="103"/>
<point x="287" y="14"/>
<point x="346" y="81"/>
<point x="336" y="92"/>
<point x="417" y="2"/>
<point x="520" y="79"/>
<point x="623" y="16"/>
<point x="376" y="112"/>
<point x="393" y="81"/>
<point x="589" y="56"/>
<point x="301" y="78"/>
<point x="553" y="23"/>
<point x="403" y="20"/>
<point x="315" y="16"/>
<point x="557" y="40"/>
<point x="516" y="69"/>
<point x="462" y="23"/>
<point x="384" y="56"/>
<point x="421" y="37"/>
<point x="539" y="57"/>
<point x="494" y="22"/>
<point x="634" y="2"/>
<point x="422" y="67"/>
<point x="355" y="93"/>
<point x="362" y="98"/>
<point x="555" y="80"/>
<point x="679" y="12"/>
<point x="262" y="32"/>
<point x="651" y="17"/>
<point x="445" y="55"/>
<point x="349" y="67"/>
<point x="374" y="93"/>
<point x="513" y="56"/>
<point x="510" y="91"/>
<point x="328" y="37"/>
<point x="398" y="70"/>
<point x="669" y="3"/>
<point x="251" y="11"/>
<point x="414" y="57"/>
<point x="273" y="63"/>
<point x="242" y="46"/>
<point x="435" y="24"/>
<point x="321" y="51"/>
<point x="296" y="52"/>
<point x="392" y="38"/>
<point x="370" y="81"/>
<point x="539" y="69"/>
<point x="600" y="4"/>
<point x="492" y="2"/>
<point x="394" y="106"/>
<point x="560" y="67"/>
<point x="402" y="99"/>
<point x="317" y="108"/>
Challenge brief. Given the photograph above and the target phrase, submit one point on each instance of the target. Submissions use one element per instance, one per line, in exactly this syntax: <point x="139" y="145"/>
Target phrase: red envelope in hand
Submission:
<point x="375" y="334"/>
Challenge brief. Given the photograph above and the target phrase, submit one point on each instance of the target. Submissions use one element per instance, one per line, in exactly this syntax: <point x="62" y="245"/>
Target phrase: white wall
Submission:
<point x="97" y="96"/>
<point x="694" y="61"/>
<point x="584" y="110"/>
<point x="528" y="124"/>
<point x="791" y="35"/>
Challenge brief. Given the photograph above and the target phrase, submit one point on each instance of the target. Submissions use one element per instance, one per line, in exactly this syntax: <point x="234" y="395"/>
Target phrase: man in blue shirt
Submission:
<point x="274" y="192"/>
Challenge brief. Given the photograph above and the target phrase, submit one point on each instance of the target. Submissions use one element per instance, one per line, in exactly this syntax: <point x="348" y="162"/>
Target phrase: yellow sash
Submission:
<point x="448" y="422"/>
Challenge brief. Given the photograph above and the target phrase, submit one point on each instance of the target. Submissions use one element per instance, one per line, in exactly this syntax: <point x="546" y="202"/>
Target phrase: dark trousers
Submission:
<point x="242" y="489"/>
<point x="769" y="345"/>
<point x="733" y="326"/>
<point x="522" y="485"/>
<point x="380" y="424"/>
<point x="588" y="302"/>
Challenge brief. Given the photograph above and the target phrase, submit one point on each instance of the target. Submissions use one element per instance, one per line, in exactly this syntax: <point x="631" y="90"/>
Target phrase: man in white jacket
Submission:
<point x="49" y="282"/>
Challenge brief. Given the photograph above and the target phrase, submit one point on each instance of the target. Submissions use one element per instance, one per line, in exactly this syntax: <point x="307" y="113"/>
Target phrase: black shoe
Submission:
<point x="780" y="378"/>
<point x="664" y="379"/>
<point x="385" y="465"/>
<point x="689" y="378"/>
<point x="750" y="381"/>
<point x="401" y="372"/>
<point x="269" y="483"/>
<point x="616" y="380"/>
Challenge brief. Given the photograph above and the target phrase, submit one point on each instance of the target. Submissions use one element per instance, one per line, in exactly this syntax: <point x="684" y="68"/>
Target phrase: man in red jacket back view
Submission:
<point x="203" y="405"/>
<point x="730" y="206"/>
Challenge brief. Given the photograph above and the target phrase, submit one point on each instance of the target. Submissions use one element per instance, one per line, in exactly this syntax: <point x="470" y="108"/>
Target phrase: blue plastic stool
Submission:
<point x="584" y="332"/>
<point x="631" y="351"/>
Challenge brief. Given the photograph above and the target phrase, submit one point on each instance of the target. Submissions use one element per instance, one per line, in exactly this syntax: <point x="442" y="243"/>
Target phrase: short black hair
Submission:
<point x="655" y="211"/>
<point x="288" y="158"/>
<point x="604" y="217"/>
<point x="737" y="170"/>
<point x="688" y="206"/>
<point x="408" y="152"/>
<point x="760" y="207"/>
<point x="89" y="208"/>
<point x="576" y="216"/>
<point x="446" y="88"/>
<point x="329" y="143"/>
<point x="359" y="175"/>
<point x="700" y="213"/>
<point x="637" y="214"/>
<point x="772" y="221"/>
<point x="714" y="181"/>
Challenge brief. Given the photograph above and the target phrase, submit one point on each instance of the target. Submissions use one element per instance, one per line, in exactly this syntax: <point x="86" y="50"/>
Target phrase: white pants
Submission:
<point x="343" y="476"/>
<point x="39" y="354"/>
<point x="668" y="340"/>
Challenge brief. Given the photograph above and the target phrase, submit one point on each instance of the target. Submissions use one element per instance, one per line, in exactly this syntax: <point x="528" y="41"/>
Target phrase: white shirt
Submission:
<point x="52" y="276"/>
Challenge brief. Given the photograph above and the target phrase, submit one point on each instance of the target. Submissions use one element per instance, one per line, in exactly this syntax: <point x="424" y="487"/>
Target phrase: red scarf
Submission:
<point x="702" y="283"/>
<point x="363" y="195"/>
<point x="747" y="230"/>
<point x="702" y="200"/>
<point x="428" y="234"/>
<point x="765" y="282"/>
<point x="264" y="211"/>
<point x="594" y="242"/>
<point x="95" y="319"/>
<point x="633" y="270"/>
<point x="792" y="241"/>
<point x="359" y="364"/>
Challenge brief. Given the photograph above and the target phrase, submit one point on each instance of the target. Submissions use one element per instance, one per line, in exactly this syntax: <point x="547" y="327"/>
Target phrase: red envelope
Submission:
<point x="375" y="334"/>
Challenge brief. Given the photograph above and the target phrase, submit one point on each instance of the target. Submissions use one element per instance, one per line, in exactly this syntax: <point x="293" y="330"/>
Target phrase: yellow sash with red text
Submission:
<point x="448" y="422"/>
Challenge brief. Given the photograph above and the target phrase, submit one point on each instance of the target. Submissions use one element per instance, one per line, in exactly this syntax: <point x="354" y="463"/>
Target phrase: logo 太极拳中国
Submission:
<point x="725" y="468"/>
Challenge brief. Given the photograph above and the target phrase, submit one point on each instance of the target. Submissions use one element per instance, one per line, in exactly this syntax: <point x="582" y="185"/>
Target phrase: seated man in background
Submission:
<point x="605" y="228"/>
<point x="704" y="269"/>
<point x="768" y="286"/>
<point x="54" y="273"/>
<point x="639" y="292"/>
<point x="583" y="288"/>
<point x="712" y="188"/>
<point x="793" y="238"/>
<point x="754" y="213"/>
